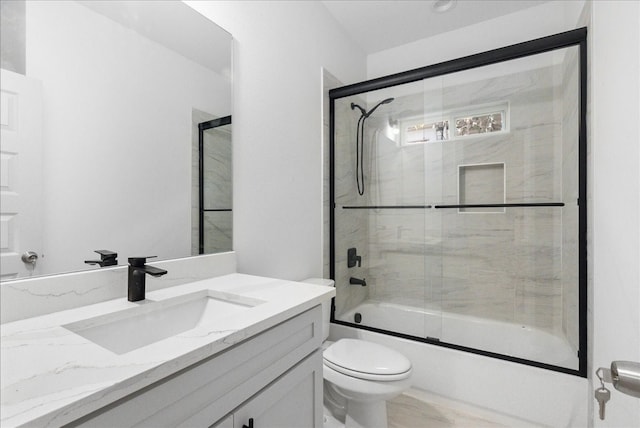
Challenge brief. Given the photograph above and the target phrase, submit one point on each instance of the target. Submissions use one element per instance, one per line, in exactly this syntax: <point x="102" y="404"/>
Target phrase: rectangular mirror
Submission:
<point x="99" y="100"/>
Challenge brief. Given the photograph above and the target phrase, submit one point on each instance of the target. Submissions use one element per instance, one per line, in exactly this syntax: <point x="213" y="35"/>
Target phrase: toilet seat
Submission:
<point x="366" y="360"/>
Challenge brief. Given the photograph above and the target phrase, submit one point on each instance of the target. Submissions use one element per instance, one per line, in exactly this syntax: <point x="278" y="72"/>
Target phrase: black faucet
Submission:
<point x="107" y="258"/>
<point x="357" y="281"/>
<point x="353" y="258"/>
<point x="138" y="271"/>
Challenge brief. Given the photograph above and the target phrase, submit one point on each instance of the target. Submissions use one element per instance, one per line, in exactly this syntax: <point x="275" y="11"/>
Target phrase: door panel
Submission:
<point x="20" y="174"/>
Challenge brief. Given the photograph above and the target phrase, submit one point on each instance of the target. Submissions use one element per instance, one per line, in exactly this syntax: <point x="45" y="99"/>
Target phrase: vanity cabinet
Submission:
<point x="290" y="401"/>
<point x="274" y="378"/>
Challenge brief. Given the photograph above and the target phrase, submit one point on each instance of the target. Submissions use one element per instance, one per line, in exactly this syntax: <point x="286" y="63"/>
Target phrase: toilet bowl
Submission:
<point x="360" y="376"/>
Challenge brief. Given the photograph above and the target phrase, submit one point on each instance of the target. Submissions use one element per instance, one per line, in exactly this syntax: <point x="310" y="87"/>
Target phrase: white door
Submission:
<point x="20" y="175"/>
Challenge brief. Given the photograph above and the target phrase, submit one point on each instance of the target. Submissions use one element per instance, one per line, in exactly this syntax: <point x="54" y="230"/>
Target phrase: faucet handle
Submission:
<point x="107" y="258"/>
<point x="353" y="258"/>
<point x="106" y="253"/>
<point x="139" y="261"/>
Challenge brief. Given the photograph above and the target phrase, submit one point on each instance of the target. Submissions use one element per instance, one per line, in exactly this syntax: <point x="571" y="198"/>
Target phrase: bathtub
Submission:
<point x="532" y="394"/>
<point x="472" y="332"/>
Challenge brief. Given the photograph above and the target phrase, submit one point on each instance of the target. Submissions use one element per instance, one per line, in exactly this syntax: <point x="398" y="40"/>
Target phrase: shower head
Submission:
<point x="365" y="113"/>
<point x="354" y="105"/>
<point x="370" y="112"/>
<point x="360" y="142"/>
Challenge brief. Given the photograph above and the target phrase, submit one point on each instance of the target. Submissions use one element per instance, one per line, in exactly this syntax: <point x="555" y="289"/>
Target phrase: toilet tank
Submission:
<point x="326" y="305"/>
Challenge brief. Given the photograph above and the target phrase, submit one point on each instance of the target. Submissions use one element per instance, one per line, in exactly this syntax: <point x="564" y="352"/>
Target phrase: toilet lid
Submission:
<point x="366" y="360"/>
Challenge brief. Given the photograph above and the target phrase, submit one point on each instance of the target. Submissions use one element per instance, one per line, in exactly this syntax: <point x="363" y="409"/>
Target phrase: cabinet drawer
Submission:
<point x="215" y="386"/>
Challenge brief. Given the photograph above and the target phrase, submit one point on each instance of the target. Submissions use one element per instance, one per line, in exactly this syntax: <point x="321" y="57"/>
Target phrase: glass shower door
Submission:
<point x="215" y="222"/>
<point x="460" y="197"/>
<point x="509" y="212"/>
<point x="381" y="211"/>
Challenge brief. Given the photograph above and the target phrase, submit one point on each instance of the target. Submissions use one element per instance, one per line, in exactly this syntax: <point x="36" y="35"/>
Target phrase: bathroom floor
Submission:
<point x="416" y="409"/>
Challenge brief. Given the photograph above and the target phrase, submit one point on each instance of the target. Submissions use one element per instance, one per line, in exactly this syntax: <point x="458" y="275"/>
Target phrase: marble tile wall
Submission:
<point x="570" y="120"/>
<point x="218" y="227"/>
<point x="218" y="189"/>
<point x="512" y="265"/>
<point x="351" y="225"/>
<point x="481" y="184"/>
<point x="328" y="82"/>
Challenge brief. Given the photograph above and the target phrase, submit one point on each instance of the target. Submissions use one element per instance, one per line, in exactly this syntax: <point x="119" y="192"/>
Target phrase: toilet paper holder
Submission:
<point x="623" y="375"/>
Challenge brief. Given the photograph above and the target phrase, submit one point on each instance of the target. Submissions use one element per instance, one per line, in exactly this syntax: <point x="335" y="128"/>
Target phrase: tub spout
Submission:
<point x="357" y="281"/>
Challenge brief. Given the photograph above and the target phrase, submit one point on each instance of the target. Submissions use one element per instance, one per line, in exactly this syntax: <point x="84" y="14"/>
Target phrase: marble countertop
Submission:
<point x="51" y="376"/>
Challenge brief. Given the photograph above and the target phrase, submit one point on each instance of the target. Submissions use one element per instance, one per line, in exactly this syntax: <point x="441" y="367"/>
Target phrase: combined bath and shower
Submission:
<point x="360" y="142"/>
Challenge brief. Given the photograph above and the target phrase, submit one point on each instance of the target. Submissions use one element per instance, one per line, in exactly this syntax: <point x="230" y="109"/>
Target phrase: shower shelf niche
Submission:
<point x="479" y="184"/>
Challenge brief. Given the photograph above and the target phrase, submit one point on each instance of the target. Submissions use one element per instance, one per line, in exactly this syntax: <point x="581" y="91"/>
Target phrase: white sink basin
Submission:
<point x="124" y="331"/>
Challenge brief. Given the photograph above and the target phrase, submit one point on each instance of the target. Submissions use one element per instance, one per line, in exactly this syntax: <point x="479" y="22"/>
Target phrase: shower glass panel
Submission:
<point x="456" y="201"/>
<point x="390" y="224"/>
<point x="216" y="216"/>
<point x="510" y="272"/>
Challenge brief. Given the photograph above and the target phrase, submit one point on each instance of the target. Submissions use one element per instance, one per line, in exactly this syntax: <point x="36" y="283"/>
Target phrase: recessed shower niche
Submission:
<point x="463" y="187"/>
<point x="479" y="185"/>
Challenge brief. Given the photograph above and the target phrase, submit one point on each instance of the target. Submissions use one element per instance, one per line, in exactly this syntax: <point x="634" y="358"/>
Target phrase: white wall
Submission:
<point x="279" y="49"/>
<point x="106" y="93"/>
<point x="615" y="172"/>
<point x="546" y="19"/>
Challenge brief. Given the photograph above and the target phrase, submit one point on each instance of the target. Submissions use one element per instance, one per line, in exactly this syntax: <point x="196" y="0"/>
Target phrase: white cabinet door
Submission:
<point x="20" y="173"/>
<point x="292" y="401"/>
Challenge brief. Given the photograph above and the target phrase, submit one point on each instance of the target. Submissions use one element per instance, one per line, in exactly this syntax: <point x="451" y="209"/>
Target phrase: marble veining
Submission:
<point x="569" y="241"/>
<point x="351" y="226"/>
<point x="52" y="376"/>
<point x="30" y="297"/>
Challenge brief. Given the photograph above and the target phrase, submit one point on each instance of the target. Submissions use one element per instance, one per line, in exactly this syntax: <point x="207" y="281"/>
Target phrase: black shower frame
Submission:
<point x="577" y="37"/>
<point x="203" y="126"/>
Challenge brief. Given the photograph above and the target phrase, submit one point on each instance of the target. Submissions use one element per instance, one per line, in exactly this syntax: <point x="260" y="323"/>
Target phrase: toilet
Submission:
<point x="359" y="377"/>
